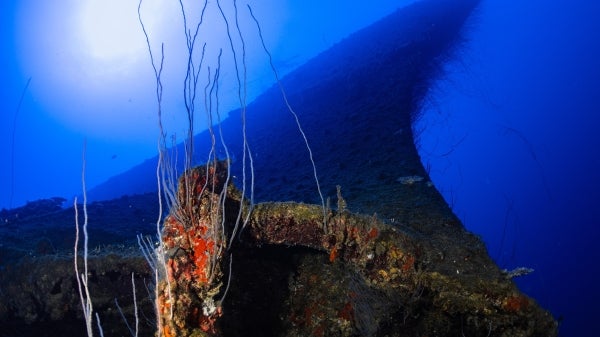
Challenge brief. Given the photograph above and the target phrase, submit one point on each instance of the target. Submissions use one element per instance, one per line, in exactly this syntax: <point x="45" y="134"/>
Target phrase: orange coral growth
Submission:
<point x="163" y="304"/>
<point x="208" y="323"/>
<point x="373" y="233"/>
<point x="515" y="303"/>
<point x="167" y="332"/>
<point x="408" y="263"/>
<point x="347" y="312"/>
<point x="333" y="254"/>
<point x="194" y="244"/>
<point x="174" y="233"/>
<point x="353" y="232"/>
<point x="203" y="249"/>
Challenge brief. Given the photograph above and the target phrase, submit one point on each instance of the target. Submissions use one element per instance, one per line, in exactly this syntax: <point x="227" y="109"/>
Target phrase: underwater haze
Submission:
<point x="511" y="137"/>
<point x="508" y="130"/>
<point x="91" y="78"/>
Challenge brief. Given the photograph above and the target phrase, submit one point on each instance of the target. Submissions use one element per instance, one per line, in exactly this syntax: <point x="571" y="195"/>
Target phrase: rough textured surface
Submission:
<point x="292" y="277"/>
<point x="355" y="275"/>
<point x="38" y="295"/>
<point x="391" y="280"/>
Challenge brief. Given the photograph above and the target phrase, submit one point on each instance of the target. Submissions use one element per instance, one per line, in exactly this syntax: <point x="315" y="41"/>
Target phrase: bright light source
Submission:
<point x="110" y="29"/>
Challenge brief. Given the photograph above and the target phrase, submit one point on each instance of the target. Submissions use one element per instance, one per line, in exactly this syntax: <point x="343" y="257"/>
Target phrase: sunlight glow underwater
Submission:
<point x="108" y="31"/>
<point x="95" y="75"/>
<point x="92" y="78"/>
<point x="83" y="56"/>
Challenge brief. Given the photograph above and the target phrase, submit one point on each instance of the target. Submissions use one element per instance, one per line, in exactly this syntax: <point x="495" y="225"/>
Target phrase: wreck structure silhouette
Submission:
<point x="384" y="256"/>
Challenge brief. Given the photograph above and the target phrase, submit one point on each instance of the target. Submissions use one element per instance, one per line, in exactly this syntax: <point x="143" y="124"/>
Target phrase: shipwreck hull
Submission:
<point x="391" y="259"/>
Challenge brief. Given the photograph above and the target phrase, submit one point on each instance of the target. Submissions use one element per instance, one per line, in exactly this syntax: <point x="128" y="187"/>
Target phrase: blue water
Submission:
<point x="512" y="140"/>
<point x="508" y="131"/>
